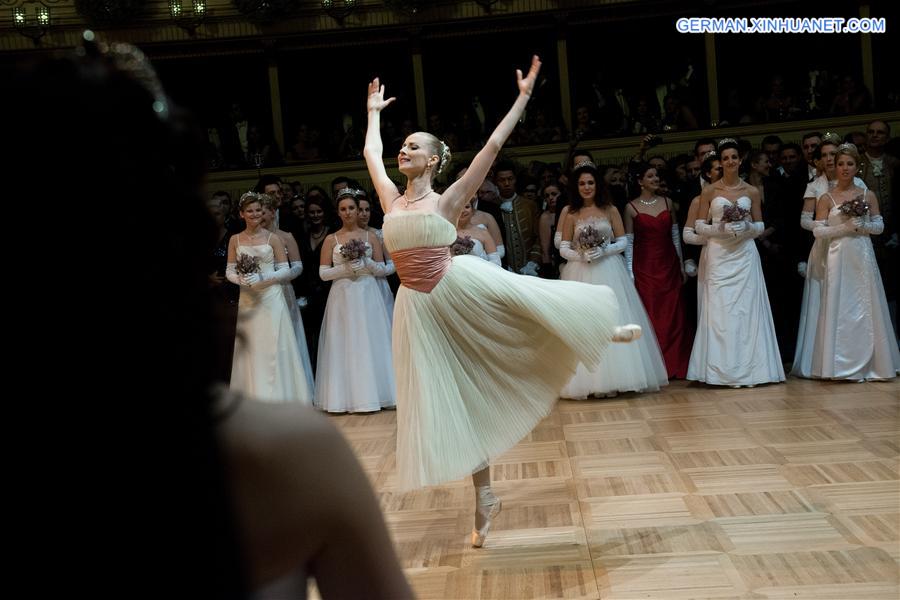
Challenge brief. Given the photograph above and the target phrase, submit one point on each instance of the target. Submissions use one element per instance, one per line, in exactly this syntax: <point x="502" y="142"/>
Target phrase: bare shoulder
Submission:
<point x="269" y="433"/>
<point x="752" y="192"/>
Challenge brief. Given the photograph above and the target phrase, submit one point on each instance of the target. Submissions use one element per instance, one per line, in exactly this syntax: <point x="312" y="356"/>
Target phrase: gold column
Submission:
<point x="275" y="94"/>
<point x="421" y="114"/>
<point x="868" y="69"/>
<point x="565" y="92"/>
<point x="712" y="80"/>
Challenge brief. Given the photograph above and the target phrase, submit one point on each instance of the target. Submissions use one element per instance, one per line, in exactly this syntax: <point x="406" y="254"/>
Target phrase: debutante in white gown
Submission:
<point x="812" y="287"/>
<point x="735" y="342"/>
<point x="383" y="285"/>
<point x="854" y="336"/>
<point x="355" y="372"/>
<point x="634" y="367"/>
<point x="300" y="334"/>
<point x="481" y="357"/>
<point x="267" y="364"/>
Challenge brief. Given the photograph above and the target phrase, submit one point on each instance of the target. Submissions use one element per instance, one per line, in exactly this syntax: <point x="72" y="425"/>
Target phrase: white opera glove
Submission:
<point x="389" y="268"/>
<point x="594" y="254"/>
<point x="801" y="269"/>
<point x="281" y="274"/>
<point x="716" y="230"/>
<point x="296" y="270"/>
<point x="501" y="250"/>
<point x="752" y="230"/>
<point x="357" y="265"/>
<point x="249" y="279"/>
<point x="629" y="253"/>
<point x="617" y="246"/>
<point x="375" y="268"/>
<point x="557" y="239"/>
<point x="691" y="237"/>
<point x="871" y="226"/>
<point x="738" y="228"/>
<point x="690" y="268"/>
<point x="827" y="232"/>
<point x="494" y="258"/>
<point x="806" y="220"/>
<point x="566" y="251"/>
<point x="231" y="273"/>
<point x="530" y="269"/>
<point x="340" y="271"/>
<point x="676" y="241"/>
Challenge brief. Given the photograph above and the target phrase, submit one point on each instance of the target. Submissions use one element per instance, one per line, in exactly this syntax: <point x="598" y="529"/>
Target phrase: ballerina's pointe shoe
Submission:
<point x="489" y="506"/>
<point x="626" y="333"/>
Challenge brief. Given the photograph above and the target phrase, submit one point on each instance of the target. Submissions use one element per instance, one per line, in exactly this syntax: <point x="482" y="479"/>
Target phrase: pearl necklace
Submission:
<point x="408" y="201"/>
<point x="731" y="187"/>
<point x="649" y="202"/>
<point x="253" y="236"/>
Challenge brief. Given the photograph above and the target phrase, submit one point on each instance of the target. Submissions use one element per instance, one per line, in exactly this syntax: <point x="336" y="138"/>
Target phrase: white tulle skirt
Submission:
<point x="634" y="367"/>
<point x="480" y="361"/>
<point x="355" y="372"/>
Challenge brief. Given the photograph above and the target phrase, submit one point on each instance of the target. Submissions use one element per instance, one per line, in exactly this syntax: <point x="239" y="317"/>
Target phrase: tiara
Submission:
<point x="584" y="163"/>
<point x="711" y="153"/>
<point x="848" y="146"/>
<point x="832" y="137"/>
<point x="724" y="141"/>
<point x="251" y="194"/>
<point x="349" y="192"/>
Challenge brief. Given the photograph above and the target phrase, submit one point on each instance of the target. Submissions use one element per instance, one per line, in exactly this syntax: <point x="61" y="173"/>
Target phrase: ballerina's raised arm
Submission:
<point x="385" y="188"/>
<point x="464" y="188"/>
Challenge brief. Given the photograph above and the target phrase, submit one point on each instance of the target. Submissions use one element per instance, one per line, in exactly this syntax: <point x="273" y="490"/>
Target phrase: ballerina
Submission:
<point x="469" y="338"/>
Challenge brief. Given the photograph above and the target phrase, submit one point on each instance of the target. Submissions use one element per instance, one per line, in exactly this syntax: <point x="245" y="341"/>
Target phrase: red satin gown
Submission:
<point x="657" y="277"/>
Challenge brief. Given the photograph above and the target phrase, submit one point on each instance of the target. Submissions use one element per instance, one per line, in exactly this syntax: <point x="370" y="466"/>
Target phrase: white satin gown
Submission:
<point x="735" y="343"/>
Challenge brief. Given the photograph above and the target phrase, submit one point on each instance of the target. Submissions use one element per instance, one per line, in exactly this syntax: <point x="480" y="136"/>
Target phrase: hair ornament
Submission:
<point x="134" y="63"/>
<point x="584" y="163"/>
<point x="848" y="147"/>
<point x="445" y="156"/>
<point x="724" y="141"/>
<point x="831" y="137"/>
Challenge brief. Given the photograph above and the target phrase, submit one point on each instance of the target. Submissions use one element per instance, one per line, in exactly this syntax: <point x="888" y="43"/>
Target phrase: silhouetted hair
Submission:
<point x="139" y="459"/>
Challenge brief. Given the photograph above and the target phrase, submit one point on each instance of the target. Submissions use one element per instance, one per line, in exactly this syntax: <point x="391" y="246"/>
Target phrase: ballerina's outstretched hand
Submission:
<point x="376" y="99"/>
<point x="526" y="84"/>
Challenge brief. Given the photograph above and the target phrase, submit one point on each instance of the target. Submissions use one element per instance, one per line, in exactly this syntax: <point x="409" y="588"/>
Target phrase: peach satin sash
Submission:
<point x="421" y="269"/>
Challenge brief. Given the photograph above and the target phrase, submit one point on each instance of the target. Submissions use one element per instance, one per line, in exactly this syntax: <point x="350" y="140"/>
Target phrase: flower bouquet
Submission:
<point x="589" y="238"/>
<point x="462" y="245"/>
<point x="858" y="207"/>
<point x="353" y="250"/>
<point x="734" y="214"/>
<point x="247" y="264"/>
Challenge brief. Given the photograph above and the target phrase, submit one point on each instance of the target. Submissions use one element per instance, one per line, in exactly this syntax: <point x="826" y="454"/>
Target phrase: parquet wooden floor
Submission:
<point x="782" y="491"/>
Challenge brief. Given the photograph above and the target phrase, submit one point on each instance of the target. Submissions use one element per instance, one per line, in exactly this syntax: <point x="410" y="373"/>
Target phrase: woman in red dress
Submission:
<point x="655" y="262"/>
